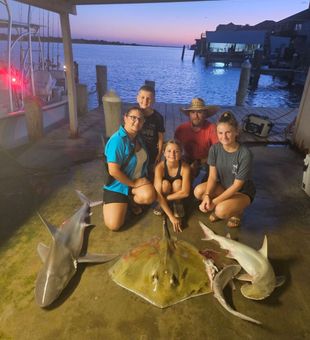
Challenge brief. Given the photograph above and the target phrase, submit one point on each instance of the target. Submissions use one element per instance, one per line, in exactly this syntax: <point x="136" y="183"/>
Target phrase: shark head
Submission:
<point x="51" y="280"/>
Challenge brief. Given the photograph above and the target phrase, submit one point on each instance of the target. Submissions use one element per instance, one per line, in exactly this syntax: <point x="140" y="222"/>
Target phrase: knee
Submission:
<point x="113" y="225"/>
<point x="198" y="192"/>
<point x="146" y="196"/>
<point x="220" y="211"/>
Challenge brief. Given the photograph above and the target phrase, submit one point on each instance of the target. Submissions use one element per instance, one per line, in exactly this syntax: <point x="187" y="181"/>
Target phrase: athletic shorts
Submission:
<point x="114" y="197"/>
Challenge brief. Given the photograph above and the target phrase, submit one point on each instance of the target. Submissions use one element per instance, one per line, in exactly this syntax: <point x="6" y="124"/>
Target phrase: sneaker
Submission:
<point x="158" y="211"/>
<point x="178" y="209"/>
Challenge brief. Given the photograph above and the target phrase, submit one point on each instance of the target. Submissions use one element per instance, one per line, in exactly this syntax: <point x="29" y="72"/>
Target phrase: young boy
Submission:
<point x="153" y="128"/>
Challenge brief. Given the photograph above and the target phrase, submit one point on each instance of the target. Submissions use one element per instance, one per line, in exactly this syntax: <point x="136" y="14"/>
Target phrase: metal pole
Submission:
<point x="9" y="55"/>
<point x="30" y="52"/>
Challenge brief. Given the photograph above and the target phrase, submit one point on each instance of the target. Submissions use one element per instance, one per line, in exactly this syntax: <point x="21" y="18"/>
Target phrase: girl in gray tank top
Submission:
<point x="229" y="188"/>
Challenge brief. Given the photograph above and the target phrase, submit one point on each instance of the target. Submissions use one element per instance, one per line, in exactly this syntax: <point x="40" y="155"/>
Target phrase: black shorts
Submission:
<point x="114" y="197"/>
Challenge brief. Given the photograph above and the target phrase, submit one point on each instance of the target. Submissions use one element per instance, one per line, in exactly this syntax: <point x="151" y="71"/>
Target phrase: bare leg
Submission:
<point x="114" y="215"/>
<point x="233" y="207"/>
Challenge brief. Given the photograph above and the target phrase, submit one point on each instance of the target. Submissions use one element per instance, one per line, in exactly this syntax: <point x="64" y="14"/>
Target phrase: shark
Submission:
<point x="221" y="279"/>
<point x="61" y="258"/>
<point x="255" y="263"/>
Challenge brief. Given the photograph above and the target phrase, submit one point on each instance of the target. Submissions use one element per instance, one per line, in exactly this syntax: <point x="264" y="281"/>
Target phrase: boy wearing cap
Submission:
<point x="153" y="128"/>
<point x="198" y="134"/>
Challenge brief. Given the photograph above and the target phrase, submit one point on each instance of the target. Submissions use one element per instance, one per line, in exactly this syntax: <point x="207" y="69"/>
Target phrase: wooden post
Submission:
<point x="102" y="82"/>
<point x="257" y="62"/>
<point x="243" y="82"/>
<point x="76" y="72"/>
<point x="301" y="136"/>
<point x="82" y="99"/>
<point x="194" y="56"/>
<point x="182" y="57"/>
<point x="34" y="119"/>
<point x="66" y="33"/>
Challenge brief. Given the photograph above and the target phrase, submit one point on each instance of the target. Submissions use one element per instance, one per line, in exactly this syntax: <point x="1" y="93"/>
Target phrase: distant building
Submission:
<point x="233" y="46"/>
<point x="297" y="28"/>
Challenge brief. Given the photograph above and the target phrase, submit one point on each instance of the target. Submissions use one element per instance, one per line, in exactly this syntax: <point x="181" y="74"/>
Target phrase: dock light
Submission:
<point x="65" y="67"/>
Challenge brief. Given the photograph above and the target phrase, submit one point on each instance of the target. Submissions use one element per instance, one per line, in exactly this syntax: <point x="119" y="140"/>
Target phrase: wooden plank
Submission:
<point x="281" y="117"/>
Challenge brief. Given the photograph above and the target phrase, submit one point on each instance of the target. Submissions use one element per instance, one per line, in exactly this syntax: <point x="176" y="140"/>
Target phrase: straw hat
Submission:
<point x="198" y="104"/>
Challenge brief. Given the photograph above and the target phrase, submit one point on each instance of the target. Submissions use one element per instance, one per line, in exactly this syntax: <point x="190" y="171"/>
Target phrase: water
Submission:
<point x="176" y="81"/>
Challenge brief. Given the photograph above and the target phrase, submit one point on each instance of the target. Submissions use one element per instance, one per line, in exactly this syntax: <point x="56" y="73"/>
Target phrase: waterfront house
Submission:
<point x="297" y="28"/>
<point x="234" y="46"/>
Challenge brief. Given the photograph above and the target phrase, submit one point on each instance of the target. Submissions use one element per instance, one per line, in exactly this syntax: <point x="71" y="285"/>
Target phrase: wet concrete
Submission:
<point x="93" y="306"/>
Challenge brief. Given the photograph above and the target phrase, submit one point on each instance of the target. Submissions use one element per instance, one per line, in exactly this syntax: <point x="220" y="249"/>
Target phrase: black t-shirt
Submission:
<point x="152" y="126"/>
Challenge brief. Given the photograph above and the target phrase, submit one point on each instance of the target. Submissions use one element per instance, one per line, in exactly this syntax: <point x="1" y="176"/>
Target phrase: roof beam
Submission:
<point x="58" y="6"/>
<point x="112" y="2"/>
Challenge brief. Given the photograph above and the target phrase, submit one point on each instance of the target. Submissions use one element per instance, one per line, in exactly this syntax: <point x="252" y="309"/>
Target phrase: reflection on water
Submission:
<point x="176" y="81"/>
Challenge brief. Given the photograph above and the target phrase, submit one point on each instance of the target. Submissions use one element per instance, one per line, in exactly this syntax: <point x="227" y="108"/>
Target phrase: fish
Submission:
<point x="163" y="271"/>
<point x="221" y="279"/>
<point x="61" y="258"/>
<point x="254" y="262"/>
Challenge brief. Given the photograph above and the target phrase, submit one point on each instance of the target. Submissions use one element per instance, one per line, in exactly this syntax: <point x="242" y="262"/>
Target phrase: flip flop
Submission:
<point x="233" y="222"/>
<point x="213" y="217"/>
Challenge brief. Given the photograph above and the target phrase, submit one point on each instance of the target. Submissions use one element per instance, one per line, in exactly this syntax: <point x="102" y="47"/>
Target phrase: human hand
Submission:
<point x="139" y="182"/>
<point x="206" y="204"/>
<point x="176" y="224"/>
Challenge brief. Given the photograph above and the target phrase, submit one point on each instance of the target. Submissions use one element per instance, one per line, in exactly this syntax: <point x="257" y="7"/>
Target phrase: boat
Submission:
<point x="32" y="78"/>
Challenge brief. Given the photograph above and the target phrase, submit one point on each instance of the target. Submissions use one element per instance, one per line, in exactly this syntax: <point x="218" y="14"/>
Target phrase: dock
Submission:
<point x="282" y="118"/>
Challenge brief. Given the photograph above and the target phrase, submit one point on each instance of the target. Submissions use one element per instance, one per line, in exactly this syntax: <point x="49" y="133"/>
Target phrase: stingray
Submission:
<point x="163" y="271"/>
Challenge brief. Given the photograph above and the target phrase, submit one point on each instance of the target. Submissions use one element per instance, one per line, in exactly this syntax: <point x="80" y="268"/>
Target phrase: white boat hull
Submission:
<point x="13" y="126"/>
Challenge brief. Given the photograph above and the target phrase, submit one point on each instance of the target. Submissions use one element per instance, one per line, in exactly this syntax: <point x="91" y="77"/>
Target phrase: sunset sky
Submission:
<point x="173" y="24"/>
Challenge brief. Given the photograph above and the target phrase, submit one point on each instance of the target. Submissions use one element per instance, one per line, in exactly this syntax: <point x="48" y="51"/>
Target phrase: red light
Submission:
<point x="14" y="80"/>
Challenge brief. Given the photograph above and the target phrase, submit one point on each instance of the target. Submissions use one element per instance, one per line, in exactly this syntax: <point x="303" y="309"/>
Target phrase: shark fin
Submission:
<point x="209" y="234"/>
<point x="52" y="229"/>
<point x="280" y="280"/>
<point x="84" y="199"/>
<point x="264" y="249"/>
<point x="96" y="258"/>
<point x="43" y="251"/>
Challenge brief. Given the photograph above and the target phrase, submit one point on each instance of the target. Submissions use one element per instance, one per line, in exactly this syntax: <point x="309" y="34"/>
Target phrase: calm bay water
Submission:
<point x="176" y="81"/>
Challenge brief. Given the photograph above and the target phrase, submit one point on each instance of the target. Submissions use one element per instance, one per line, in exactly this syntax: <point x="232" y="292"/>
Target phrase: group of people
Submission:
<point x="144" y="169"/>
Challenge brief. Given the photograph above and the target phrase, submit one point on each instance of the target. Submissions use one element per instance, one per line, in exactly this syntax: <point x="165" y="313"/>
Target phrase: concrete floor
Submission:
<point x="93" y="306"/>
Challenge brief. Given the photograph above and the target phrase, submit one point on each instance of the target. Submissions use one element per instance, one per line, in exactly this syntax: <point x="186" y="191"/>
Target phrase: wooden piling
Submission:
<point x="82" y="99"/>
<point x="183" y="51"/>
<point x="243" y="82"/>
<point x="34" y="118"/>
<point x="102" y="82"/>
<point x="194" y="56"/>
<point x="76" y="72"/>
<point x="257" y="63"/>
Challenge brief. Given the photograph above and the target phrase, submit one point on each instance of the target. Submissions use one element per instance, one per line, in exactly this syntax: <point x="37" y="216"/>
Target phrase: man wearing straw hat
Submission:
<point x="198" y="134"/>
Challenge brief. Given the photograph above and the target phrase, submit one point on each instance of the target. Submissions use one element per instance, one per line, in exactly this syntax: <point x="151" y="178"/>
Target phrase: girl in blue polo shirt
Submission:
<point x="127" y="162"/>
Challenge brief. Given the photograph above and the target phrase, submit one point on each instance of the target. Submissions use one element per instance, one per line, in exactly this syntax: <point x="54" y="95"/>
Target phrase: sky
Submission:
<point x="168" y="24"/>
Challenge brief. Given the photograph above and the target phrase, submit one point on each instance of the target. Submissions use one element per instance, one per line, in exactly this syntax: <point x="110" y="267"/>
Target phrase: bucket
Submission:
<point x="112" y="106"/>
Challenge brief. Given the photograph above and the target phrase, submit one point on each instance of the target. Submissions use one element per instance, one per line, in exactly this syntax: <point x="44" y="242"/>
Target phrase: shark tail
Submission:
<point x="86" y="200"/>
<point x="209" y="234"/>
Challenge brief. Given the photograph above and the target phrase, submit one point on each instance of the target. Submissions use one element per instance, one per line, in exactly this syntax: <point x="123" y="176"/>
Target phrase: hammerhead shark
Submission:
<point x="254" y="262"/>
<point x="61" y="258"/>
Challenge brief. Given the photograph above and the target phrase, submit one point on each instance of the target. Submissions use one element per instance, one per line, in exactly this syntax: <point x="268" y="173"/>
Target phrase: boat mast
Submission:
<point x="9" y="53"/>
<point x="30" y="51"/>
